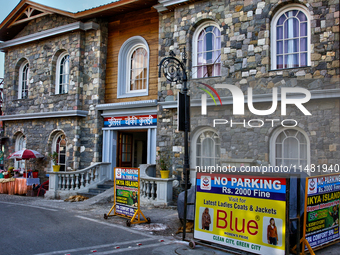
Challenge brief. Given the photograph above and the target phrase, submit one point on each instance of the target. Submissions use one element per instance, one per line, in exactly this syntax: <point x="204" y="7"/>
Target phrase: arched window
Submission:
<point x="206" y="51"/>
<point x="138" y="69"/>
<point x="60" y="146"/>
<point x="133" y="68"/>
<point x="63" y="74"/>
<point x="290" y="147"/>
<point x="23" y="80"/>
<point x="206" y="148"/>
<point x="20" y="144"/>
<point x="290" y="38"/>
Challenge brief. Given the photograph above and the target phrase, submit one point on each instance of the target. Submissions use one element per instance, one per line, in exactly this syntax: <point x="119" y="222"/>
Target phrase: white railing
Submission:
<point x="154" y="191"/>
<point x="64" y="184"/>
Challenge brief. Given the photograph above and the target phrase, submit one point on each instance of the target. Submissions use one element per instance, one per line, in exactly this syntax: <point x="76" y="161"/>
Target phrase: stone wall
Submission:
<point x="93" y="93"/>
<point x="243" y="141"/>
<point x="39" y="134"/>
<point x="45" y="23"/>
<point x="245" y="30"/>
<point x="245" y="58"/>
<point x="87" y="50"/>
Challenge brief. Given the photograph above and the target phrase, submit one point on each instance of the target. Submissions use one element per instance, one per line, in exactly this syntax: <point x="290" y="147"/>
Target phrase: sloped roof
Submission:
<point x="27" y="10"/>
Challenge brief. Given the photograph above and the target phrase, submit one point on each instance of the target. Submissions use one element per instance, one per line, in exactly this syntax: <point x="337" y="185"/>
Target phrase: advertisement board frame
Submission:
<point x="304" y="239"/>
<point x="287" y="178"/>
<point x="138" y="216"/>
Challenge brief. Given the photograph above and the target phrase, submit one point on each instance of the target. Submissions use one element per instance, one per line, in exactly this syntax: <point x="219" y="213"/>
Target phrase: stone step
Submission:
<point x="100" y="189"/>
<point x="104" y="186"/>
<point x="97" y="190"/>
<point x="89" y="195"/>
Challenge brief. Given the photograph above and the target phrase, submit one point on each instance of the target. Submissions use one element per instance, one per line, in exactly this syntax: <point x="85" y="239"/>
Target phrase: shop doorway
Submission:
<point x="132" y="148"/>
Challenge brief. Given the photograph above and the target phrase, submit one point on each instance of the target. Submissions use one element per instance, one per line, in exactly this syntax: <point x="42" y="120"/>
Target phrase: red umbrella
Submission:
<point x="25" y="154"/>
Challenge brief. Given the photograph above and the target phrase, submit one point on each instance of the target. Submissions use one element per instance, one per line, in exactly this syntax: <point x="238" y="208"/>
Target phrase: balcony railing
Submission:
<point x="154" y="191"/>
<point x="64" y="184"/>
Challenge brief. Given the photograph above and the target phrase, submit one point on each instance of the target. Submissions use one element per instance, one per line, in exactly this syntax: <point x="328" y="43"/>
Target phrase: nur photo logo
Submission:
<point x="204" y="97"/>
<point x="289" y="96"/>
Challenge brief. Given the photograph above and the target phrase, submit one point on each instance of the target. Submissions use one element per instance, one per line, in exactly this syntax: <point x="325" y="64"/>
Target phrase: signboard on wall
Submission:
<point x="131" y="121"/>
<point x="243" y="212"/>
<point x="126" y="191"/>
<point x="322" y="209"/>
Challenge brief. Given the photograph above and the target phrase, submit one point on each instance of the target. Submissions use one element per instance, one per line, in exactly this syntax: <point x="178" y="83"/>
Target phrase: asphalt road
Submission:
<point x="27" y="229"/>
<point x="37" y="226"/>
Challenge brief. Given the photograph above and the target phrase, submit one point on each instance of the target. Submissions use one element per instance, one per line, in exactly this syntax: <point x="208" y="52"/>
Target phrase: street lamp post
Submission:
<point x="174" y="70"/>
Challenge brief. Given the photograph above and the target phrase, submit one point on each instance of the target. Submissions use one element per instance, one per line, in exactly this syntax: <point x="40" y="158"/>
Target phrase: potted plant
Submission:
<point x="35" y="173"/>
<point x="6" y="174"/>
<point x="164" y="166"/>
<point x="10" y="171"/>
<point x="16" y="172"/>
<point x="54" y="157"/>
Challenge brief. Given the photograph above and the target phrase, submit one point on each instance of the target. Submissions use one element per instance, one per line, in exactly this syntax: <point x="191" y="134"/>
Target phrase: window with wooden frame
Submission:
<point x="133" y="68"/>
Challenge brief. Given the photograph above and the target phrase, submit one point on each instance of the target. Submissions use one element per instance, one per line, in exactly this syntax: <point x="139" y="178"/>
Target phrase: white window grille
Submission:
<point x="23" y="80"/>
<point x="207" y="51"/>
<point x="290" y="40"/>
<point x="63" y="74"/>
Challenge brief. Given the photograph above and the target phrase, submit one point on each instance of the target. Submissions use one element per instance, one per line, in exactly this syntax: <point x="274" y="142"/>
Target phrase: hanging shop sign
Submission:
<point x="243" y="212"/>
<point x="321" y="219"/>
<point x="127" y="195"/>
<point x="131" y="121"/>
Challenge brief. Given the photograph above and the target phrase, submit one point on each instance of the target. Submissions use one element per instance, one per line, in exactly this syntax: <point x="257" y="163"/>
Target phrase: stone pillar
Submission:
<point x="53" y="186"/>
<point x="164" y="191"/>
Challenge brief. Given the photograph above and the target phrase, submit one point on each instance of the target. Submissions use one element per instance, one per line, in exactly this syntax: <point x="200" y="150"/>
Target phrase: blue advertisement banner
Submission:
<point x="125" y="210"/>
<point x="126" y="191"/>
<point x="265" y="188"/>
<point x="130" y="121"/>
<point x="322" y="209"/>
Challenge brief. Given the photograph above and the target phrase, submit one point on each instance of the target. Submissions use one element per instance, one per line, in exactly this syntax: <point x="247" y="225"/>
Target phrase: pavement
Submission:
<point x="164" y="222"/>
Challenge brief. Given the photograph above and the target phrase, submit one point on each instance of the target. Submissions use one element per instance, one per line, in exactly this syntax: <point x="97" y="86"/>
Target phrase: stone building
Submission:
<point x="254" y="50"/>
<point x="59" y="68"/>
<point x="70" y="85"/>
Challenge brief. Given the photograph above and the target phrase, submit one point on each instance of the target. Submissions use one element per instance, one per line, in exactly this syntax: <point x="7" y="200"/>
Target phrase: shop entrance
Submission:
<point x="132" y="148"/>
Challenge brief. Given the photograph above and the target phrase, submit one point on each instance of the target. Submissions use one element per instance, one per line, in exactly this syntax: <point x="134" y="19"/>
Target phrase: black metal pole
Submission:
<point x="175" y="71"/>
<point x="186" y="157"/>
<point x="298" y="215"/>
<point x="288" y="225"/>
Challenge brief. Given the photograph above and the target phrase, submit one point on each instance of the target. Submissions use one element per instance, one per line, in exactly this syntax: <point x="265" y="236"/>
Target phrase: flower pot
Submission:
<point x="1" y="176"/>
<point x="35" y="174"/>
<point x="26" y="175"/>
<point x="56" y="168"/>
<point x="165" y="174"/>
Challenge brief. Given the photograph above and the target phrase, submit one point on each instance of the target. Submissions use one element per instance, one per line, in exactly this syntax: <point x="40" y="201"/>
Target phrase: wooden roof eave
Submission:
<point x="104" y="8"/>
<point x="110" y="9"/>
<point x="20" y="8"/>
